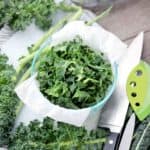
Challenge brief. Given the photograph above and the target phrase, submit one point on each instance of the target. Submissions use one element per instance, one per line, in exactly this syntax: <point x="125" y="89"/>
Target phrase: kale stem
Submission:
<point x="26" y="75"/>
<point x="28" y="71"/>
<point x="67" y="8"/>
<point x="78" y="14"/>
<point x="103" y="14"/>
<point x="25" y="60"/>
<point x="73" y="143"/>
<point x="19" y="107"/>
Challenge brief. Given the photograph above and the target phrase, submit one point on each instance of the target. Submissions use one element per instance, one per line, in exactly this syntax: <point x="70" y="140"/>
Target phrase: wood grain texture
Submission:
<point x="128" y="19"/>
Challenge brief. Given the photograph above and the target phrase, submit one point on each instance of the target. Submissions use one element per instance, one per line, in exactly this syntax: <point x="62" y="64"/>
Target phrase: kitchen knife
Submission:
<point x="128" y="134"/>
<point x="114" y="113"/>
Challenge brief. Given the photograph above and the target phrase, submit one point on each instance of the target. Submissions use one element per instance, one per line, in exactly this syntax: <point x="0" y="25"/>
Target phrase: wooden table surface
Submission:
<point x="127" y="19"/>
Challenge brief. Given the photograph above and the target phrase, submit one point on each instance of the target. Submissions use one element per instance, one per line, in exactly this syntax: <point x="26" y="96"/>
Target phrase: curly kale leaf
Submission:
<point x="45" y="136"/>
<point x="8" y="100"/>
<point x="142" y="136"/>
<point x="19" y="14"/>
<point x="73" y="75"/>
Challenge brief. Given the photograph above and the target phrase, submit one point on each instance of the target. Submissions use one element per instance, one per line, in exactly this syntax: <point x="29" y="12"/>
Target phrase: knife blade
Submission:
<point x="128" y="134"/>
<point x="114" y="113"/>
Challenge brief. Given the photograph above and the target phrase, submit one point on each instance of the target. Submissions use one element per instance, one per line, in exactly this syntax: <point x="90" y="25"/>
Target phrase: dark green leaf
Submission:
<point x="8" y="100"/>
<point x="73" y="75"/>
<point x="142" y="136"/>
<point x="43" y="136"/>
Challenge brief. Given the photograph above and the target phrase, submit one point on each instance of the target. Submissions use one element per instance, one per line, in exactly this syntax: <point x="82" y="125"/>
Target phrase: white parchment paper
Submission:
<point x="98" y="39"/>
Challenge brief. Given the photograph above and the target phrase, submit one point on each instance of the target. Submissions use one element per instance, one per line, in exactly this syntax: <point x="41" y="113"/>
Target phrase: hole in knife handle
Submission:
<point x="139" y="73"/>
<point x="133" y="94"/>
<point x="137" y="104"/>
<point x="133" y="83"/>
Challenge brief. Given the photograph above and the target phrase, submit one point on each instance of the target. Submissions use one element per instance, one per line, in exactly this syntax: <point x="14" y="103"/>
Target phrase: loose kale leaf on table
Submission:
<point x="142" y="136"/>
<point x="8" y="100"/>
<point x="45" y="136"/>
<point x="18" y="14"/>
<point x="73" y="75"/>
